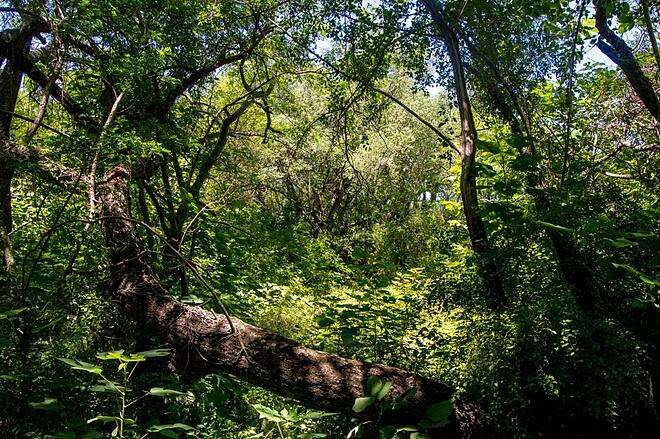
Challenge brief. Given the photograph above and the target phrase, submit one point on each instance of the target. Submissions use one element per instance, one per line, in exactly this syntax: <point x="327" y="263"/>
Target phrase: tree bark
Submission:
<point x="651" y="31"/>
<point x="10" y="83"/>
<point x="205" y="342"/>
<point x="476" y="228"/>
<point x="616" y="49"/>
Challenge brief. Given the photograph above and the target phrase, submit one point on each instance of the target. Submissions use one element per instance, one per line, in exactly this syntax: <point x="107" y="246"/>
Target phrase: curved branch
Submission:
<point x="618" y="51"/>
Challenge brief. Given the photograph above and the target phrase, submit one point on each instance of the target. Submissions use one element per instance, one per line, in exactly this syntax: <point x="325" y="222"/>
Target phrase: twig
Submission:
<point x="27" y="119"/>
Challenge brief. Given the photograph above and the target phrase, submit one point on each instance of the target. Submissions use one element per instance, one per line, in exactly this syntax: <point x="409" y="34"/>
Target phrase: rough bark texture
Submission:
<point x="476" y="229"/>
<point x="204" y="343"/>
<point x="618" y="51"/>
<point x="10" y="83"/>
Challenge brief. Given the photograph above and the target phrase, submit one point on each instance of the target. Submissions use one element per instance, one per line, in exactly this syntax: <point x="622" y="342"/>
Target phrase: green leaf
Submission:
<point x="484" y="169"/>
<point x="638" y="303"/>
<point x="107" y="388"/>
<point x="488" y="146"/>
<point x="106" y="419"/>
<point x="268" y="413"/>
<point x="554" y="227"/>
<point x="639" y="235"/>
<point x="120" y="356"/>
<point x="132" y="358"/>
<point x="383" y="390"/>
<point x="46" y="404"/>
<point x="113" y="355"/>
<point x="517" y="141"/>
<point x="154" y="353"/>
<point x="386" y="432"/>
<point x="402" y="400"/>
<point x="373" y="385"/>
<point x="9" y="314"/>
<point x="644" y="278"/>
<point x="525" y="162"/>
<point x="439" y="412"/>
<point x="507" y="187"/>
<point x="407" y="429"/>
<point x="619" y="242"/>
<point x="361" y="404"/>
<point x="408" y="394"/>
<point x="81" y="365"/>
<point x="317" y="415"/>
<point x="291" y="417"/>
<point x="159" y="391"/>
<point x="356" y="431"/>
<point x="177" y="426"/>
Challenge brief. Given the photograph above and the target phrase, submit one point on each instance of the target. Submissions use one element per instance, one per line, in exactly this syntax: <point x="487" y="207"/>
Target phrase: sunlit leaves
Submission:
<point x="170" y="430"/>
<point x="10" y="314"/>
<point x="159" y="391"/>
<point x="81" y="365"/>
<point x="132" y="358"/>
<point x="363" y="403"/>
<point x="299" y="423"/>
<point x="554" y="227"/>
<point x="378" y="388"/>
<point x="349" y="288"/>
<point x="46" y="404"/>
<point x="643" y="277"/>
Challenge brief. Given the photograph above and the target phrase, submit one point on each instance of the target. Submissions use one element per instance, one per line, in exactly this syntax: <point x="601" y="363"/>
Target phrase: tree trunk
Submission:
<point x="648" y="22"/>
<point x="618" y="51"/>
<point x="205" y="342"/>
<point x="476" y="229"/>
<point x="10" y="83"/>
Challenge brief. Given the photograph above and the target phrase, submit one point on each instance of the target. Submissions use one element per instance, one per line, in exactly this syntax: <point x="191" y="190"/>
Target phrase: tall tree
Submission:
<point x="476" y="228"/>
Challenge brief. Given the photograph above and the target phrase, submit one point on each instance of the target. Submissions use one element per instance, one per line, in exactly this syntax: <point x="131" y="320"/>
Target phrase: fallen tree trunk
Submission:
<point x="205" y="342"/>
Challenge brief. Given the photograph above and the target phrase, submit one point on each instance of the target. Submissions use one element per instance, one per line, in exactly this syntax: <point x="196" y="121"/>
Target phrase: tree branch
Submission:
<point x="618" y="51"/>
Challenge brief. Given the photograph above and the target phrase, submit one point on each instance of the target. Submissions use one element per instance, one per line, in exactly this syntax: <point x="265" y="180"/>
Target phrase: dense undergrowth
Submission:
<point x="403" y="294"/>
